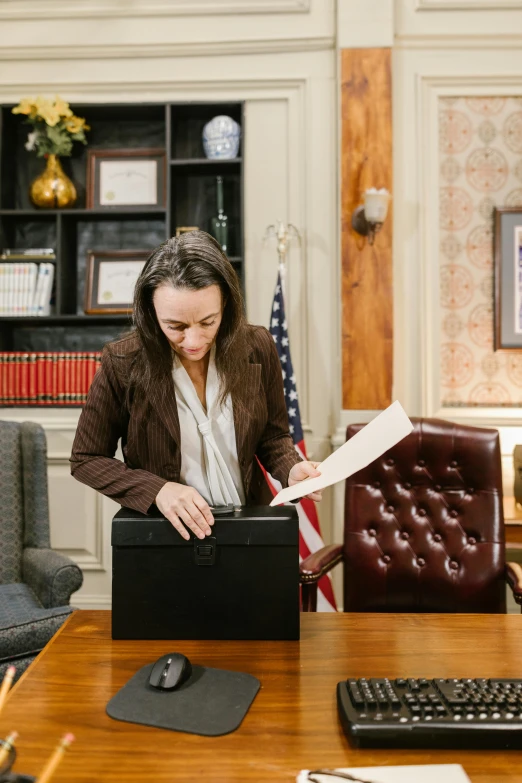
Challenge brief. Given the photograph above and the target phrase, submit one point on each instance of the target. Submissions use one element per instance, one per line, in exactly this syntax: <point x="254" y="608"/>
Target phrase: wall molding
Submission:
<point x="430" y="90"/>
<point x="467" y="5"/>
<point x="457" y="42"/>
<point x="91" y="601"/>
<point x="169" y="90"/>
<point x="167" y="50"/>
<point x="87" y="559"/>
<point x="72" y="9"/>
<point x="44" y="417"/>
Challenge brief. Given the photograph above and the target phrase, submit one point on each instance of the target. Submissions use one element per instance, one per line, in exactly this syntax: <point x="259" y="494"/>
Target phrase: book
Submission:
<point x="38" y="290"/>
<point x="43" y="304"/>
<point x="46" y="377"/>
<point x="32" y="252"/>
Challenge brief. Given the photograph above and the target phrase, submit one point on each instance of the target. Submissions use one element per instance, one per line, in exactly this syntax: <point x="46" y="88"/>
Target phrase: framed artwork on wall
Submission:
<point x="508" y="279"/>
<point x="110" y="280"/>
<point x="126" y="178"/>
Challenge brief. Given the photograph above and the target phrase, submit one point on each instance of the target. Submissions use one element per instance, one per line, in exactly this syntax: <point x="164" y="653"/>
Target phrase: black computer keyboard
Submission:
<point x="439" y="713"/>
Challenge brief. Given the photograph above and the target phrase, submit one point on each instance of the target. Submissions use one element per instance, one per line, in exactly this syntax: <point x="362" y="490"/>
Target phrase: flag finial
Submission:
<point x="284" y="233"/>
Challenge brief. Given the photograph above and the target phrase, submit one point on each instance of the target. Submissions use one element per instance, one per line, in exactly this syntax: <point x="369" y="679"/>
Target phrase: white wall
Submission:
<point x="278" y="56"/>
<point x="440" y="48"/>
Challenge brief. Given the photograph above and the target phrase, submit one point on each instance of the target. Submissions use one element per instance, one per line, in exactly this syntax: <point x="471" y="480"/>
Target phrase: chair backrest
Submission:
<point x="424" y="524"/>
<point x="24" y="508"/>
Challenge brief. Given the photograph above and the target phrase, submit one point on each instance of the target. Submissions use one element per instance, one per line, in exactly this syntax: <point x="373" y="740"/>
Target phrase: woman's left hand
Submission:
<point x="304" y="470"/>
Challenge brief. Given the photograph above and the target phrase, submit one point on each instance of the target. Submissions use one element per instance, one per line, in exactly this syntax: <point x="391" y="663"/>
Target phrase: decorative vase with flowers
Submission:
<point x="55" y="129"/>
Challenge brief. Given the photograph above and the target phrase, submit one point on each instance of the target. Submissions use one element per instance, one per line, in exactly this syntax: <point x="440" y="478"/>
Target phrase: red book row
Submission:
<point x="47" y="378"/>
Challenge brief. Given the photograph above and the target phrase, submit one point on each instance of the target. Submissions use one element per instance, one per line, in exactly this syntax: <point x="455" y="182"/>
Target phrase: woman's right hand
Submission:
<point x="184" y="505"/>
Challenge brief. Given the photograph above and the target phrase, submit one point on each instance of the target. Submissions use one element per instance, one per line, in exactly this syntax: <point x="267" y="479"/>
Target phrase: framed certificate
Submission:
<point x="125" y="178"/>
<point x="111" y="278"/>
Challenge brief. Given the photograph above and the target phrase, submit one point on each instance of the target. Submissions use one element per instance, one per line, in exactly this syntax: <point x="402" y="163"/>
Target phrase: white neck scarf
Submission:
<point x="221" y="484"/>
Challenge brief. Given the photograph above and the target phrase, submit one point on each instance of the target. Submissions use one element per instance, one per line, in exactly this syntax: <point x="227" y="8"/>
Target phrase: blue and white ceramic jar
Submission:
<point x="221" y="138"/>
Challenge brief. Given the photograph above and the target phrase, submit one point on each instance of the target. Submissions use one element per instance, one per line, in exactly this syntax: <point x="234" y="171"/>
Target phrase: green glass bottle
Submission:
<point x="219" y="224"/>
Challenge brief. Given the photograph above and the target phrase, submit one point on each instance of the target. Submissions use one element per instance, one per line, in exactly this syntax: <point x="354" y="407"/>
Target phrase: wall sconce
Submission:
<point x="367" y="219"/>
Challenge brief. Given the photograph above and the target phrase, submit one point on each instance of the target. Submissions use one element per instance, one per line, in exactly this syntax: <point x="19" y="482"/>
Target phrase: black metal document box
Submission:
<point x="242" y="582"/>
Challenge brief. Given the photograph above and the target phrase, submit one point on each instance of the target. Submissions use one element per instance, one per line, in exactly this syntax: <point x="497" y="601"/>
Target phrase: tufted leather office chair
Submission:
<point x="423" y="527"/>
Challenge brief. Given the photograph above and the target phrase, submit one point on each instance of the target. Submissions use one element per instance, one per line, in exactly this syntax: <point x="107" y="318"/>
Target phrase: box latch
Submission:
<point x="205" y="551"/>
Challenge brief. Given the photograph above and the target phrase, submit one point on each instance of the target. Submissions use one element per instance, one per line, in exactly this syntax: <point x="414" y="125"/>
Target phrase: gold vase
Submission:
<point x="52" y="188"/>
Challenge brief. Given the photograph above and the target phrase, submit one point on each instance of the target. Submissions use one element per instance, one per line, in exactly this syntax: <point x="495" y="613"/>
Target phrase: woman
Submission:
<point x="194" y="392"/>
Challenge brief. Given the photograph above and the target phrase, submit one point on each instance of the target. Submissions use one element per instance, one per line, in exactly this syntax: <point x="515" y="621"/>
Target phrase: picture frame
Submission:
<point x="110" y="279"/>
<point x="508" y="279"/>
<point x="126" y="178"/>
<point x="185" y="229"/>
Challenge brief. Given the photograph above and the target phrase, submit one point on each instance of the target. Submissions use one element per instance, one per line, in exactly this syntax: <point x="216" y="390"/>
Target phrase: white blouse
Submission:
<point x="209" y="460"/>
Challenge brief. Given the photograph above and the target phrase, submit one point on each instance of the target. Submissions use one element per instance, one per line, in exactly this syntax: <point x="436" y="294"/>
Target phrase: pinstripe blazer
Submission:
<point x="150" y="432"/>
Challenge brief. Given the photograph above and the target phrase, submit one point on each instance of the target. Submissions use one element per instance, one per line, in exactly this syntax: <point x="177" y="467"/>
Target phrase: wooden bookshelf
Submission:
<point x="190" y="201"/>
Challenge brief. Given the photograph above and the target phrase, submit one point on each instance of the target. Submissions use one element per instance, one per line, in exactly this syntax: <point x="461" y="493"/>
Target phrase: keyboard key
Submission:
<point x="356" y="697"/>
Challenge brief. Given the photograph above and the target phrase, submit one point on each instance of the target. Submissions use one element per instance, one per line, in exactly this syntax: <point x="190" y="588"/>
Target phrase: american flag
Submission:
<point x="309" y="531"/>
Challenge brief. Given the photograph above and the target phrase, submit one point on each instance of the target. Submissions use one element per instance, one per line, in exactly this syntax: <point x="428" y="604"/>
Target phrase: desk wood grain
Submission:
<point x="293" y="721"/>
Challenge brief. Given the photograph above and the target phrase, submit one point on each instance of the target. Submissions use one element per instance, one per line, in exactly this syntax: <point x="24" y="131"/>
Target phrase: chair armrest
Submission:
<point x="514" y="580"/>
<point x="313" y="567"/>
<point x="51" y="575"/>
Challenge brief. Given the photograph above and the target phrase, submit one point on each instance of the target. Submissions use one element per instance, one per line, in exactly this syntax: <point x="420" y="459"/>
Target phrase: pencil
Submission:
<point x="6" y="684"/>
<point x="55" y="759"/>
<point x="6" y="748"/>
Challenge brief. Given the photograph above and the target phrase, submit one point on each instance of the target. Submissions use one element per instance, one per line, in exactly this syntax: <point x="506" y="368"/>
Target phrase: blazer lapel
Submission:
<point x="166" y="408"/>
<point x="242" y="420"/>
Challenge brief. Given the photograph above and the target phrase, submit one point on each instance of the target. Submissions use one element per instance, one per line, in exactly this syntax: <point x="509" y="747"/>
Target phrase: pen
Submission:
<point x="7" y="746"/>
<point x="6" y="684"/>
<point x="55" y="759"/>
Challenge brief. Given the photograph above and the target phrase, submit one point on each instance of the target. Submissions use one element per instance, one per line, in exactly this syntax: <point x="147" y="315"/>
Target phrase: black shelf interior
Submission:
<point x="188" y="121"/>
<point x="191" y="201"/>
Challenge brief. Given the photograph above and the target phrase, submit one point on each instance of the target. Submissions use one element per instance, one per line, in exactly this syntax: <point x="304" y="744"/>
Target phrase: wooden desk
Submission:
<point x="293" y="721"/>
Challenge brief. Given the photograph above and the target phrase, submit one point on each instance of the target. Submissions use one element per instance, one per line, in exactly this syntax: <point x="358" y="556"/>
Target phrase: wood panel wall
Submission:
<point x="367" y="295"/>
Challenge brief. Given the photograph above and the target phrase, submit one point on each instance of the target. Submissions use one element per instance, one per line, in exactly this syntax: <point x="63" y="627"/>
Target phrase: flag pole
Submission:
<point x="284" y="234"/>
<point x="310" y="539"/>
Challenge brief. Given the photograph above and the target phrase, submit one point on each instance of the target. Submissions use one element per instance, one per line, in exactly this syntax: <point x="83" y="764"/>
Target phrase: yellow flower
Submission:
<point x="75" y="124"/>
<point x="47" y="111"/>
<point x="26" y="106"/>
<point x="62" y="107"/>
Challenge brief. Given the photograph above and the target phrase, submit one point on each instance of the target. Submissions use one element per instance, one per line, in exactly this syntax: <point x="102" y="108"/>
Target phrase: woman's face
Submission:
<point x="189" y="319"/>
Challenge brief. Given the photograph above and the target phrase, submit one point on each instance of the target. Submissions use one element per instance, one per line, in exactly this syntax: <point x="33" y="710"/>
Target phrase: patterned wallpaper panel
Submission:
<point x="480" y="153"/>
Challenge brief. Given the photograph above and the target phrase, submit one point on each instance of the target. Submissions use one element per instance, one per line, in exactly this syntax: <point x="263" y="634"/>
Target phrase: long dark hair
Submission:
<point x="194" y="260"/>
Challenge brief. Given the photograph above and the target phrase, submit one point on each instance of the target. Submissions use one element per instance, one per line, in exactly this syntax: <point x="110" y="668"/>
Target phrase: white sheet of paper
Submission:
<point x="379" y="435"/>
<point x="415" y="773"/>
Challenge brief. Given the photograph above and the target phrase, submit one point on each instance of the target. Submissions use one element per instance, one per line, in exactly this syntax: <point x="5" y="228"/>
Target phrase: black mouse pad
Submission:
<point x="211" y="702"/>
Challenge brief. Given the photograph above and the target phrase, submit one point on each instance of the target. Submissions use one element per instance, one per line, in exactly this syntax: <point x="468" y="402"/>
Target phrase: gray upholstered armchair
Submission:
<point x="35" y="583"/>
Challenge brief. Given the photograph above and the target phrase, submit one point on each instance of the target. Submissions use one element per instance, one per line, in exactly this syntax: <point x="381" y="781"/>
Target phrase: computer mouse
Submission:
<point x="170" y="671"/>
